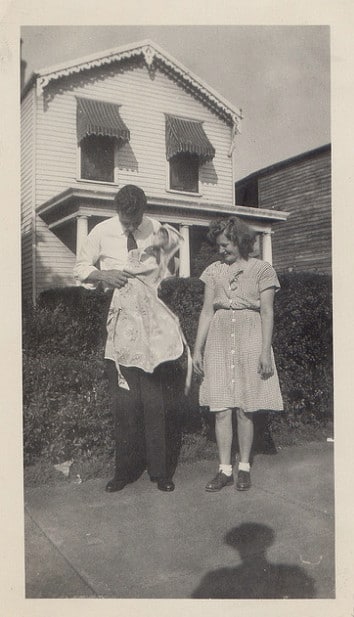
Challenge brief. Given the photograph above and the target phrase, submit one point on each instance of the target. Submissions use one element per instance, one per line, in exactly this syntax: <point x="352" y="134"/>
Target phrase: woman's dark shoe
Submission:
<point x="217" y="483"/>
<point x="165" y="484"/>
<point x="243" y="480"/>
<point x="115" y="485"/>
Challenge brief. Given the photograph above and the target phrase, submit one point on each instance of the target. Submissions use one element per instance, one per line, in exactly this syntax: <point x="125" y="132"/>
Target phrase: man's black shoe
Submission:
<point x="164" y="484"/>
<point x="115" y="485"/>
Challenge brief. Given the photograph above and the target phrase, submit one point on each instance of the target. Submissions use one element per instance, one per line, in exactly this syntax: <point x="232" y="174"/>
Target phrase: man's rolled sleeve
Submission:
<point x="87" y="257"/>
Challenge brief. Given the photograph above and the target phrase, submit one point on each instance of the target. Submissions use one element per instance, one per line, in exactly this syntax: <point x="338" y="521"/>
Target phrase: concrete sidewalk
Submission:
<point x="274" y="541"/>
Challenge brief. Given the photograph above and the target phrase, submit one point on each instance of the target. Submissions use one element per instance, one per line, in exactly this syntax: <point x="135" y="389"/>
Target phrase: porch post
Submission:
<point x="81" y="231"/>
<point x="184" y="253"/>
<point x="267" y="246"/>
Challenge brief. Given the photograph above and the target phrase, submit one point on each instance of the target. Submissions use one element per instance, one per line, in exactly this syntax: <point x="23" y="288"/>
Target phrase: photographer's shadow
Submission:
<point x="255" y="578"/>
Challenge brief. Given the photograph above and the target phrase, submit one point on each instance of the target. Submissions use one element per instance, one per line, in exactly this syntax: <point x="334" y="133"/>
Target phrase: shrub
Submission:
<point x="67" y="321"/>
<point x="185" y="298"/>
<point x="303" y="344"/>
<point x="66" y="406"/>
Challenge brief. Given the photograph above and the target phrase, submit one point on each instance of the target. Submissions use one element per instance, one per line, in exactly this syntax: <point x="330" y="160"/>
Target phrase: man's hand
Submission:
<point x="114" y="278"/>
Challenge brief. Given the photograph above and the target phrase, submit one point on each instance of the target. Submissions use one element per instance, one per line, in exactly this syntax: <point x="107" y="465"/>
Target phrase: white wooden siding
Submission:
<point x="54" y="260"/>
<point x="27" y="186"/>
<point x="144" y="101"/>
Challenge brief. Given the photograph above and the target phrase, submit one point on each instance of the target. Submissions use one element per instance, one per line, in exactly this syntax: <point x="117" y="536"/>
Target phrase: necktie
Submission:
<point x="131" y="242"/>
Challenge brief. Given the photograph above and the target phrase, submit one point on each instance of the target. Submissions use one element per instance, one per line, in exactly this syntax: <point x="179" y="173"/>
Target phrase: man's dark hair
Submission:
<point x="130" y="201"/>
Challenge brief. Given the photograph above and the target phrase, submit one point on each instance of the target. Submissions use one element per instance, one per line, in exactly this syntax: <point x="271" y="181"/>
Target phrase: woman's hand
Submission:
<point x="198" y="363"/>
<point x="265" y="365"/>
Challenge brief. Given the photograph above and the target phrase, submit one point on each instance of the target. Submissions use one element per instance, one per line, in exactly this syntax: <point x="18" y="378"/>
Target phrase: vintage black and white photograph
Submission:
<point x="177" y="340"/>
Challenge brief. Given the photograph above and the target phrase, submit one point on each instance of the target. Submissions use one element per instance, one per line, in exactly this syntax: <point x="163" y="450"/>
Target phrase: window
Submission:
<point x="97" y="158"/>
<point x="187" y="147"/>
<point x="100" y="132"/>
<point x="184" y="172"/>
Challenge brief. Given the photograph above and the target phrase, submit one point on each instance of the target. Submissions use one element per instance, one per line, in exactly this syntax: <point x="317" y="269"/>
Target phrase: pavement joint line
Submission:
<point x="169" y="578"/>
<point x="216" y="565"/>
<point x="146" y="584"/>
<point x="61" y="553"/>
<point x="276" y="494"/>
<point x="294" y="502"/>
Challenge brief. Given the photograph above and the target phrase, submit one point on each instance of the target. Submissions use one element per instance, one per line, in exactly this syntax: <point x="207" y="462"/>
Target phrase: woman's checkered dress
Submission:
<point x="234" y="340"/>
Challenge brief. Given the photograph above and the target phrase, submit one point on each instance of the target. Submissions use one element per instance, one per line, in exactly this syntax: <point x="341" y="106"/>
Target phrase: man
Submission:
<point x="140" y="407"/>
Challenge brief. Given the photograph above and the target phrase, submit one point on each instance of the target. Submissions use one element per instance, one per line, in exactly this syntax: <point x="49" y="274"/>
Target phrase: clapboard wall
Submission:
<point x="27" y="190"/>
<point x="301" y="186"/>
<point x="144" y="100"/>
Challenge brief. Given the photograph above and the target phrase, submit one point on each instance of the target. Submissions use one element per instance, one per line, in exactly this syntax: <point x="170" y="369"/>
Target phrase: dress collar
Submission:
<point x="237" y="267"/>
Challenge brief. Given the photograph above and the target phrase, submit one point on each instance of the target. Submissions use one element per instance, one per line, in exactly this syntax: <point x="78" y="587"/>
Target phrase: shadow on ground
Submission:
<point x="255" y="578"/>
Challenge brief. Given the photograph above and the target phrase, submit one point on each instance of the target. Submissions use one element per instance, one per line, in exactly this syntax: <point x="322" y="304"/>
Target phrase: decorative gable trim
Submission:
<point x="154" y="57"/>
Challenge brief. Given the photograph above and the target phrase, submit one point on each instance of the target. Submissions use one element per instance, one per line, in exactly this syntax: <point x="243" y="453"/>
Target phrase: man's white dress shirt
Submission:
<point x="106" y="247"/>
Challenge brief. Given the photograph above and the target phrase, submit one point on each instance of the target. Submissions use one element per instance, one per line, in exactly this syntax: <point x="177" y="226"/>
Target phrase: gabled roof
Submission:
<point x="284" y="163"/>
<point x="154" y="57"/>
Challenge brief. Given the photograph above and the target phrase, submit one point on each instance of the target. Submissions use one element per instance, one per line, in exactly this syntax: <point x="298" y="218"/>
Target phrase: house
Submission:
<point x="301" y="186"/>
<point x="129" y="115"/>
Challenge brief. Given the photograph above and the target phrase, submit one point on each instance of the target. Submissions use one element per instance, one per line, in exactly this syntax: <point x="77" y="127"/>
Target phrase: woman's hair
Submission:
<point x="235" y="230"/>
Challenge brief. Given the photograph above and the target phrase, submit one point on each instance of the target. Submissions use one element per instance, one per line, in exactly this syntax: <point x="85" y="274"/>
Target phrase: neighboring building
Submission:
<point x="130" y="115"/>
<point x="300" y="186"/>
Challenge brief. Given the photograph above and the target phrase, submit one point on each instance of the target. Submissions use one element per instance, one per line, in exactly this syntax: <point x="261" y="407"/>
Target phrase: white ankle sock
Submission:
<point x="226" y="469"/>
<point x="244" y="466"/>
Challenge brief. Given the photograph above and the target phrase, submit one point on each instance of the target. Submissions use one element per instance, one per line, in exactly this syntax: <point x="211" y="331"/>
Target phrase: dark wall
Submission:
<point x="304" y="190"/>
<point x="302" y="187"/>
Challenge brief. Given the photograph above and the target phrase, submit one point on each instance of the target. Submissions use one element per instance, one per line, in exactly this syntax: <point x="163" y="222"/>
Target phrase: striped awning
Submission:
<point x="187" y="136"/>
<point x="99" y="118"/>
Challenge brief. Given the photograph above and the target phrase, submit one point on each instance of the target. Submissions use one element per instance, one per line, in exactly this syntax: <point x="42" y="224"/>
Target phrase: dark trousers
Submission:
<point x="145" y="422"/>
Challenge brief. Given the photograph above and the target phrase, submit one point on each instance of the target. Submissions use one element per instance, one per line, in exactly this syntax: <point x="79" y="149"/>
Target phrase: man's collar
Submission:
<point x="124" y="231"/>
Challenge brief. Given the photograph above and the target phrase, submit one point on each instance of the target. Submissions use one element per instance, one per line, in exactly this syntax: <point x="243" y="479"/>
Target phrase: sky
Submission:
<point x="278" y="75"/>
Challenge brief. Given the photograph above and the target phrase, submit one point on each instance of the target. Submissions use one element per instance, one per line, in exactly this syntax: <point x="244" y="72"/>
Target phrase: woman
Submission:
<point x="233" y="353"/>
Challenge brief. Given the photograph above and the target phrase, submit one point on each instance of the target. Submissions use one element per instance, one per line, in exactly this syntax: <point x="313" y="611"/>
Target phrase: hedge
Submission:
<point x="65" y="401"/>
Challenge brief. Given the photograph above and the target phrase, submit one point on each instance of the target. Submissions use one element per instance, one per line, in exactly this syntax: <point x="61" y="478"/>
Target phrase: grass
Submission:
<point x="195" y="447"/>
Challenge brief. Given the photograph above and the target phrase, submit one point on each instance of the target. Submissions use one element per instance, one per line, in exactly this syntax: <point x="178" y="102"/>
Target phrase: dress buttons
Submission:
<point x="232" y="351"/>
